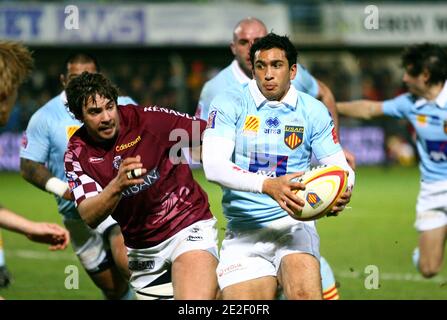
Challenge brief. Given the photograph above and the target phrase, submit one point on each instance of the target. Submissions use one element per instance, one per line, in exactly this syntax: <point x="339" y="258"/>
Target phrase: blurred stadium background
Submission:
<point x="162" y="52"/>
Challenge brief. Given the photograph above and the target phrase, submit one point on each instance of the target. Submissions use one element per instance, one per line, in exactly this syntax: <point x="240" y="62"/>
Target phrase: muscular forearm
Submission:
<point x="35" y="173"/>
<point x="363" y="109"/>
<point x="96" y="209"/>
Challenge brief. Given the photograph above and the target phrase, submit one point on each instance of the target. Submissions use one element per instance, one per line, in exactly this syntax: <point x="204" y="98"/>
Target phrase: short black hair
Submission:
<point x="426" y="56"/>
<point x="86" y="86"/>
<point x="81" y="57"/>
<point x="271" y="41"/>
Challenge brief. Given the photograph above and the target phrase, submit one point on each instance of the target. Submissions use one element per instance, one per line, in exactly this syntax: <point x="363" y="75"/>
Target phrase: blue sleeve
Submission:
<point x="204" y="101"/>
<point x="305" y="82"/>
<point x="324" y="141"/>
<point x="122" y="101"/>
<point x="223" y="116"/>
<point x="398" y="107"/>
<point x="36" y="144"/>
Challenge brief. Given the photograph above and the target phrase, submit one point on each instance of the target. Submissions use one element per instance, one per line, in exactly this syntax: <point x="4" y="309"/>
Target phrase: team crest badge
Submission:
<point x="251" y="124"/>
<point x="445" y="126"/>
<point x="117" y="162"/>
<point x="313" y="199"/>
<point x="293" y="136"/>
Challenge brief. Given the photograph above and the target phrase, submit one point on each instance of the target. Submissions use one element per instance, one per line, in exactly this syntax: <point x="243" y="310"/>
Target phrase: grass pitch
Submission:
<point x="374" y="237"/>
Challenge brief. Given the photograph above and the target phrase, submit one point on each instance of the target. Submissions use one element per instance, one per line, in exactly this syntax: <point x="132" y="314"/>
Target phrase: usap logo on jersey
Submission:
<point x="293" y="136"/>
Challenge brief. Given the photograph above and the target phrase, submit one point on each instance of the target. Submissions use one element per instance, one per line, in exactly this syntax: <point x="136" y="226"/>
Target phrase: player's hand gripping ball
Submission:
<point x="324" y="186"/>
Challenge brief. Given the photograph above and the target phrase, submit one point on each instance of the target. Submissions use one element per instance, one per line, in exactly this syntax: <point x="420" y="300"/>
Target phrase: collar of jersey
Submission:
<point x="441" y="99"/>
<point x="238" y="73"/>
<point x="290" y="99"/>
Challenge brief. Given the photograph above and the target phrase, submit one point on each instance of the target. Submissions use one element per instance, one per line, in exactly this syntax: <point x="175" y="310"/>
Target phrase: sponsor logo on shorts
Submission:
<point x="194" y="238"/>
<point x="139" y="265"/>
<point x="229" y="269"/>
<point x="128" y="145"/>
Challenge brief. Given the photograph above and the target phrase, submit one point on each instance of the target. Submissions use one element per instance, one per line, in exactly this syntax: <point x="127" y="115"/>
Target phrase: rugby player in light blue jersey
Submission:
<point x="425" y="106"/>
<point x="259" y="138"/>
<point x="239" y="73"/>
<point x="101" y="251"/>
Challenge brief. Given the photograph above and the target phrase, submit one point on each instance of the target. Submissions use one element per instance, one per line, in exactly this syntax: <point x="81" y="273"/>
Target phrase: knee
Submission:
<point x="304" y="295"/>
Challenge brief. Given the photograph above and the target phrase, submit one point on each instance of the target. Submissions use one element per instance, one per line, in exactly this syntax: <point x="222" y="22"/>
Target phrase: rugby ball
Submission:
<point x="324" y="186"/>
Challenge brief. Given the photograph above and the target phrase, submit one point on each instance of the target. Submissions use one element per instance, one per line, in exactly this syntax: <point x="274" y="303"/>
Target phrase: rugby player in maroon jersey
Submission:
<point x="124" y="161"/>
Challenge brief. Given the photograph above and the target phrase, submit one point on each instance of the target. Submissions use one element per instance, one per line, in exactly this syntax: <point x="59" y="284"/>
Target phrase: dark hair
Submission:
<point x="81" y="57"/>
<point x="85" y="87"/>
<point x="271" y="41"/>
<point x="417" y="58"/>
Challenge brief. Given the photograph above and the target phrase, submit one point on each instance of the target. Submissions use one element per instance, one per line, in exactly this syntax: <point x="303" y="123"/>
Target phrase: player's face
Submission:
<point x="6" y="105"/>
<point x="101" y="119"/>
<point x="74" y="70"/>
<point x="244" y="37"/>
<point x="416" y="84"/>
<point x="272" y="73"/>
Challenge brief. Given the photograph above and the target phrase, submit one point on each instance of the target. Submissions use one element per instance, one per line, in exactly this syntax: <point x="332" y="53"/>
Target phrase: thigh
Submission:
<point x="263" y="288"/>
<point x="194" y="275"/>
<point x="299" y="275"/>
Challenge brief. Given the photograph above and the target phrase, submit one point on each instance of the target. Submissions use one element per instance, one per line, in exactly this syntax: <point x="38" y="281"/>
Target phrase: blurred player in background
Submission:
<point x="425" y="106"/>
<point x="138" y="178"/>
<point x="16" y="64"/>
<point x="263" y="245"/>
<point x="101" y="251"/>
<point x="239" y="73"/>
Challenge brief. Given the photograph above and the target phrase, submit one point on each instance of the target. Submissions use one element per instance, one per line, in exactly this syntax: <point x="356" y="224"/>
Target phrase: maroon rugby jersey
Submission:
<point x="169" y="200"/>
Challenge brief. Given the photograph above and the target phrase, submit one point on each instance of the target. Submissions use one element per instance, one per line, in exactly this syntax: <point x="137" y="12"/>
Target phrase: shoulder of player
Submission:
<point x="308" y="102"/>
<point x="156" y="112"/>
<point x="215" y="83"/>
<point x="231" y="97"/>
<point x="45" y="112"/>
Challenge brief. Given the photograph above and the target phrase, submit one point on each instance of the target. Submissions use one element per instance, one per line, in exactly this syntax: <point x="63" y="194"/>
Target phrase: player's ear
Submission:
<point x="293" y="71"/>
<point x="233" y="47"/>
<point x="62" y="80"/>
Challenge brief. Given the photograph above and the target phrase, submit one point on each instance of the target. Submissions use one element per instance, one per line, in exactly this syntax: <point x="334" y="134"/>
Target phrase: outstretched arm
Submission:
<point x="326" y="96"/>
<point x="362" y="109"/>
<point x="42" y="232"/>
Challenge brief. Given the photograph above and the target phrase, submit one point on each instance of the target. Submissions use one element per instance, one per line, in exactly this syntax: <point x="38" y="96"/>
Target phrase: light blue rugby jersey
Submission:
<point x="232" y="77"/>
<point x="46" y="138"/>
<point x="430" y="122"/>
<point x="271" y="138"/>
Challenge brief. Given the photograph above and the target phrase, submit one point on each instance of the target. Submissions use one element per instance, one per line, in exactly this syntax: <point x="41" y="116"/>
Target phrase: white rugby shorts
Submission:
<point x="146" y="265"/>
<point x="431" y="207"/>
<point x="89" y="244"/>
<point x="247" y="255"/>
